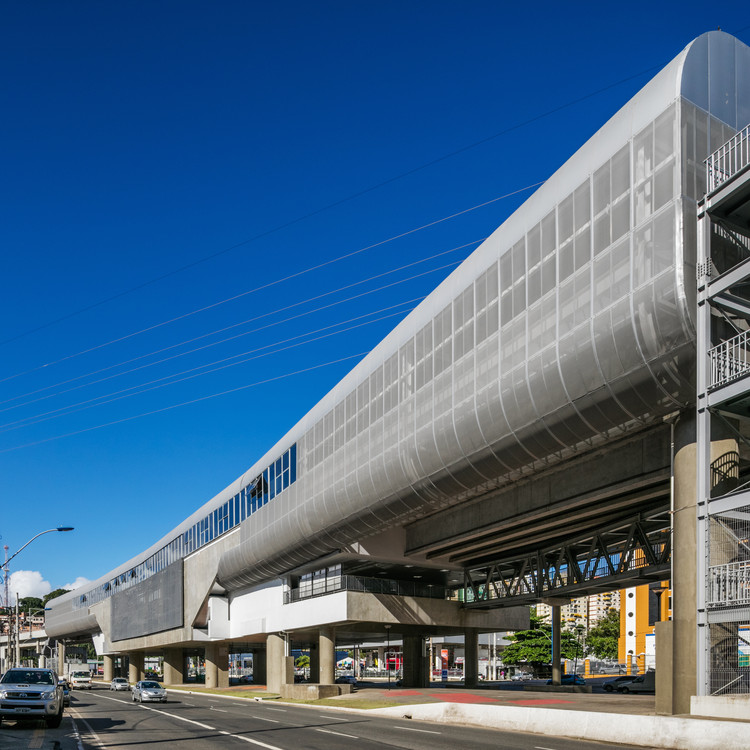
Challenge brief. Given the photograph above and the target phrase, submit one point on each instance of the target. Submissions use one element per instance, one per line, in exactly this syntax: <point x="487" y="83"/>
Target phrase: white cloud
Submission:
<point x="80" y="581"/>
<point x="27" y="583"/>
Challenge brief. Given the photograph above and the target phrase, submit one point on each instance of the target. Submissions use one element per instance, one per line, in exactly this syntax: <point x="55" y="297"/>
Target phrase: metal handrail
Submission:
<point x="729" y="585"/>
<point x="728" y="160"/>
<point x="730" y="360"/>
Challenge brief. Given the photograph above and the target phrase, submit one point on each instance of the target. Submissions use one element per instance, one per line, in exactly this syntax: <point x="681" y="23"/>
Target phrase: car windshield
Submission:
<point x="150" y="685"/>
<point x="21" y="676"/>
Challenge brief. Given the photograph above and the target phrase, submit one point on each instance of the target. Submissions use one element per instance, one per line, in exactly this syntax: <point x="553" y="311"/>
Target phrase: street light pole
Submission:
<point x="388" y="653"/>
<point x="6" y="581"/>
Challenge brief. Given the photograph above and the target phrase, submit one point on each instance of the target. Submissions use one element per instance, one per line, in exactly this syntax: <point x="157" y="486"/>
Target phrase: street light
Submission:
<point x="6" y="575"/>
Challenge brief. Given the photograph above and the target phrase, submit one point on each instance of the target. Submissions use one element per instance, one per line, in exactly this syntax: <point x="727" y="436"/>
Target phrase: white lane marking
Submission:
<point x="220" y="710"/>
<point x="260" y="718"/>
<point x="424" y="731"/>
<point x="89" y="730"/>
<point x="205" y="726"/>
<point x="283" y="710"/>
<point x="338" y="734"/>
<point x="334" y="718"/>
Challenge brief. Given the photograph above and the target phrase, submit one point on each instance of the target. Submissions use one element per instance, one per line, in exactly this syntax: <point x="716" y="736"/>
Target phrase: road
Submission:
<point x="101" y="719"/>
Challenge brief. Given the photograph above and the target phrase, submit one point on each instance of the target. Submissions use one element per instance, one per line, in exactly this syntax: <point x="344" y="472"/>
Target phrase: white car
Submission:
<point x="119" y="683"/>
<point x="149" y="690"/>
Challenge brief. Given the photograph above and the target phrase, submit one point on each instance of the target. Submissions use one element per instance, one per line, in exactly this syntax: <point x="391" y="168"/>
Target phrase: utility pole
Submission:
<point x="17" y="659"/>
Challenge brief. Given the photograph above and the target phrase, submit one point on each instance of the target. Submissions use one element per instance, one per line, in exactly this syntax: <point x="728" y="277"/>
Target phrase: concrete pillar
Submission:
<point x="556" y="630"/>
<point x="135" y="667"/>
<point x="259" y="667"/>
<point x="415" y="663"/>
<point x="173" y="666"/>
<point x="279" y="667"/>
<point x="109" y="671"/>
<point x="60" y="658"/>
<point x="684" y="627"/>
<point x="314" y="663"/>
<point x="471" y="657"/>
<point x="327" y="656"/>
<point x="217" y="665"/>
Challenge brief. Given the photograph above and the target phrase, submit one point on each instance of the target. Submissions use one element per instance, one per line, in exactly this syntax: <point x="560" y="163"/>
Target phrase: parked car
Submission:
<point x="149" y="690"/>
<point x="119" y="683"/>
<point x="521" y="676"/>
<point x="66" y="691"/>
<point x="646" y="683"/>
<point x="346" y="679"/>
<point x="570" y="679"/>
<point x="31" y="693"/>
<point x="614" y="684"/>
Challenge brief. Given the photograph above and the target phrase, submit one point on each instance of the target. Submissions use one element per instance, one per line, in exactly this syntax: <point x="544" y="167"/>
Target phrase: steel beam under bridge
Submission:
<point x="629" y="552"/>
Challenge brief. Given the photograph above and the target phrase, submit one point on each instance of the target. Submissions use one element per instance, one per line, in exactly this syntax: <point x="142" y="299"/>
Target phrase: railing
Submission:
<point x="730" y="360"/>
<point x="729" y="585"/>
<point x="367" y="585"/>
<point x="728" y="160"/>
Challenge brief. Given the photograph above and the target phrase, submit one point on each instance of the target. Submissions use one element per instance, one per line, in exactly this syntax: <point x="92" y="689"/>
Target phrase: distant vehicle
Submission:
<point x="570" y="679"/>
<point x="646" y="683"/>
<point x="31" y="693"/>
<point x="66" y="691"/>
<point x="149" y="690"/>
<point x="81" y="680"/>
<point x="614" y="684"/>
<point x="119" y="683"/>
<point x="521" y="676"/>
<point x="346" y="679"/>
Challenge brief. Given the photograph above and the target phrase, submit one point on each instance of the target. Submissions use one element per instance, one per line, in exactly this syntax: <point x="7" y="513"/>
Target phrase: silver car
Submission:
<point x="31" y="693"/>
<point x="149" y="690"/>
<point x="119" y="683"/>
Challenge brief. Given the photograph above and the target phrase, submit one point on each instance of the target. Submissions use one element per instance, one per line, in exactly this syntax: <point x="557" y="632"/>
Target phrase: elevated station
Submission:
<point x="527" y="433"/>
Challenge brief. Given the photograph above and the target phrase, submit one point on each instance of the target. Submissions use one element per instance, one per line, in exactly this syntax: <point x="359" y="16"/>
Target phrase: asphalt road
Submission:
<point x="102" y="719"/>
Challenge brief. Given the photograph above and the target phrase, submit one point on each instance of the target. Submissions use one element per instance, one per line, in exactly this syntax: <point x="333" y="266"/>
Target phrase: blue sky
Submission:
<point x="161" y="158"/>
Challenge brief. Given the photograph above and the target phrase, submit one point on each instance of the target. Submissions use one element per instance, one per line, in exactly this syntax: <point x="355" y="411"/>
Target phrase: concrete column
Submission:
<point x="415" y="663"/>
<point x="217" y="666"/>
<point x="279" y="668"/>
<point x="173" y="666"/>
<point x="135" y="667"/>
<point x="685" y="583"/>
<point x="327" y="656"/>
<point x="556" y="630"/>
<point x="259" y="667"/>
<point x="314" y="663"/>
<point x="471" y="657"/>
<point x="60" y="658"/>
<point x="109" y="671"/>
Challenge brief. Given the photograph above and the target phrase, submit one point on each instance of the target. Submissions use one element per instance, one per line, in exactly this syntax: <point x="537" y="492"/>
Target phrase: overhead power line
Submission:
<point x="335" y="204"/>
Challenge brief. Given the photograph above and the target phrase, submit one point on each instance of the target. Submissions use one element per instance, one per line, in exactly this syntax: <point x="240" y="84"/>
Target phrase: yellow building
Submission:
<point x="640" y="608"/>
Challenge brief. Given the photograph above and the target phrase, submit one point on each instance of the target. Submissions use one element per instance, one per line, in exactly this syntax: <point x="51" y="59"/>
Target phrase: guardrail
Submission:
<point x="730" y="360"/>
<point x="728" y="160"/>
<point x="729" y="585"/>
<point x="367" y="585"/>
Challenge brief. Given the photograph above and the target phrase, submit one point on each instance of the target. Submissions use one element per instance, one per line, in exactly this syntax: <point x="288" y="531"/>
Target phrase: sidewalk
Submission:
<point x="603" y="717"/>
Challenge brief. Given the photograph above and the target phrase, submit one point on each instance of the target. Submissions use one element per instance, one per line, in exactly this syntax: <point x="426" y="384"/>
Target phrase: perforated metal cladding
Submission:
<point x="151" y="606"/>
<point x="569" y="325"/>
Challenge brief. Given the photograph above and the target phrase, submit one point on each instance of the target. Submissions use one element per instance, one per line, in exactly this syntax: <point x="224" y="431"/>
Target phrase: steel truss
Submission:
<point x="632" y="551"/>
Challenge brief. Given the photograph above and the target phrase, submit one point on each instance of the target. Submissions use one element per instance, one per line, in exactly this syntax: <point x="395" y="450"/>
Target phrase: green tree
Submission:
<point x="53" y="595"/>
<point x="302" y="661"/>
<point x="30" y="604"/>
<point x="533" y="648"/>
<point x="603" y="637"/>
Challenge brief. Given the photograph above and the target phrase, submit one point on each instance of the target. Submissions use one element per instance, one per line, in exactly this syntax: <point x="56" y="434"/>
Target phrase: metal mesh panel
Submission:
<point x="149" y="607"/>
<point x="728" y="601"/>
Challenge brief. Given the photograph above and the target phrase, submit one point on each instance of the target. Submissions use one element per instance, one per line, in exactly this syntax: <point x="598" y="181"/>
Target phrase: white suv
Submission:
<point x="30" y="693"/>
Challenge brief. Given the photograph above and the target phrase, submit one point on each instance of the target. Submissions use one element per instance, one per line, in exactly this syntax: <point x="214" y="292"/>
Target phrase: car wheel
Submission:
<point x="133" y="697"/>
<point x="624" y="689"/>
<point x="55" y="721"/>
<point x="608" y="688"/>
<point x="140" y="698"/>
